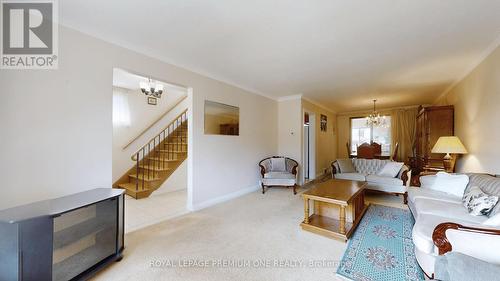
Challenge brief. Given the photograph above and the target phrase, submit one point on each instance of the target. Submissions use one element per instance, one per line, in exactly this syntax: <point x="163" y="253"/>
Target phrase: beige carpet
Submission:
<point x="259" y="234"/>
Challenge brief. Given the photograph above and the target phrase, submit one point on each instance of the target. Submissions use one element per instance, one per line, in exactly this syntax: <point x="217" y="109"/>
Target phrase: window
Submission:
<point x="361" y="133"/>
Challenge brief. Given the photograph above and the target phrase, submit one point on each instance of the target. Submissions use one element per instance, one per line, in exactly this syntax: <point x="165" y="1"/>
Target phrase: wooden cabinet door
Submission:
<point x="440" y="124"/>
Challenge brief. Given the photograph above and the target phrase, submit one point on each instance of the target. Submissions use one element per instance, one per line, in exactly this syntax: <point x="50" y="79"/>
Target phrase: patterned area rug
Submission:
<point x="381" y="247"/>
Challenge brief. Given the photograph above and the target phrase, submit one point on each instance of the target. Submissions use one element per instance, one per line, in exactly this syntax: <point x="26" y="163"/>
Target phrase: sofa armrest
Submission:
<point x="334" y="168"/>
<point x="443" y="243"/>
<point x="294" y="169"/>
<point x="262" y="170"/>
<point x="405" y="175"/>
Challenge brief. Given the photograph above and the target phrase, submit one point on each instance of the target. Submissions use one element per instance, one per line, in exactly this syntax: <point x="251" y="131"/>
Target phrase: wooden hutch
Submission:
<point x="432" y="123"/>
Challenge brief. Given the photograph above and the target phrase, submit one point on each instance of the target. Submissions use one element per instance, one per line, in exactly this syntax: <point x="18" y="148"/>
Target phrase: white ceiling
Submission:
<point x="131" y="81"/>
<point x="341" y="54"/>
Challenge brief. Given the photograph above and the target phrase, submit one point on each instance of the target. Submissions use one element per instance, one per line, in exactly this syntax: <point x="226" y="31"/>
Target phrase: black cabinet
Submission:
<point x="68" y="238"/>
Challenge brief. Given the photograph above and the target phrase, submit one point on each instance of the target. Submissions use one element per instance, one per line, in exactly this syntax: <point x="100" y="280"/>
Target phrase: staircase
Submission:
<point x="157" y="160"/>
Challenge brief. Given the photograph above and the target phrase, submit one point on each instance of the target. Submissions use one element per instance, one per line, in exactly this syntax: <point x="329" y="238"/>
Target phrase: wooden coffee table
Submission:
<point x="338" y="206"/>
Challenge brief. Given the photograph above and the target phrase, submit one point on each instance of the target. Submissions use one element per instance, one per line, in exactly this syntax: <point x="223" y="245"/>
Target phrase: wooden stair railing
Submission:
<point x="157" y="159"/>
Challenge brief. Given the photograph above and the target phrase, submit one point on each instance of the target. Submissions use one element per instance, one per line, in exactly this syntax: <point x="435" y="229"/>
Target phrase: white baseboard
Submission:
<point x="223" y="198"/>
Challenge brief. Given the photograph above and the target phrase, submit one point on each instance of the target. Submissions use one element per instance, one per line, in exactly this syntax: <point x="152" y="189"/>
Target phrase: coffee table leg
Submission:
<point x="342" y="220"/>
<point x="306" y="210"/>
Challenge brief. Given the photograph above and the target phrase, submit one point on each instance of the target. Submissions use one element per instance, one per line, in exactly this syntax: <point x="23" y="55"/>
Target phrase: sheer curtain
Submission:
<point x="121" y="110"/>
<point x="403" y="131"/>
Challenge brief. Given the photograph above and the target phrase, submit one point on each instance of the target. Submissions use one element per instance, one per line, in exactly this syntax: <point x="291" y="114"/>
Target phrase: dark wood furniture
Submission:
<point x="338" y="206"/>
<point x="370" y="151"/>
<point x="377" y="148"/>
<point x="68" y="238"/>
<point x="432" y="123"/>
<point x="366" y="151"/>
<point x="229" y="129"/>
<point x="441" y="241"/>
<point x="383" y="156"/>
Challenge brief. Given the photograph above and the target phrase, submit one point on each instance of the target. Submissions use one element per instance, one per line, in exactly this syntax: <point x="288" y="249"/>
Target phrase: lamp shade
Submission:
<point x="450" y="144"/>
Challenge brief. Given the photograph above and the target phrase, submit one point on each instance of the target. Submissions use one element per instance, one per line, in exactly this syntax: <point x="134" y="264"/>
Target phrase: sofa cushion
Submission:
<point x="422" y="232"/>
<point x="346" y="166"/>
<point x="488" y="184"/>
<point x="455" y="266"/>
<point x="351" y="176"/>
<point x="279" y="178"/>
<point x="452" y="184"/>
<point x="401" y="189"/>
<point x="420" y="192"/>
<point x="278" y="164"/>
<point x="390" y="169"/>
<point x="279" y="175"/>
<point x="427" y="181"/>
<point x="383" y="180"/>
<point x="452" y="211"/>
<point x="479" y="203"/>
<point x="368" y="166"/>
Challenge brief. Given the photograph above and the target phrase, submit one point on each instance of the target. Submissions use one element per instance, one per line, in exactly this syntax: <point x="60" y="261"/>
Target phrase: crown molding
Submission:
<point x="379" y="110"/>
<point x="301" y="96"/>
<point x="488" y="51"/>
<point x="319" y="105"/>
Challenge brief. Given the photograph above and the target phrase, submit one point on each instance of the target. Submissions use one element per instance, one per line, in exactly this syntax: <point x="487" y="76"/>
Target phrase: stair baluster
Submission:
<point x="156" y="156"/>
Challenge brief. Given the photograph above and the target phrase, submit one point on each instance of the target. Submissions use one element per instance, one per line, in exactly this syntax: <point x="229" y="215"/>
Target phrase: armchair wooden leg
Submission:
<point x="263" y="189"/>
<point x="405" y="198"/>
<point x="294" y="189"/>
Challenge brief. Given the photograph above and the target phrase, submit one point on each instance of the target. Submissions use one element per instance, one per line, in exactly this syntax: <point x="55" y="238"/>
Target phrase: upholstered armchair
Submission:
<point x="278" y="171"/>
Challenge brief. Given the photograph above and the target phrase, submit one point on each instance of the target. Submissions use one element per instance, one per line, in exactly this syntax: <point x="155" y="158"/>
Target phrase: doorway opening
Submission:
<point x="149" y="148"/>
<point x="309" y="148"/>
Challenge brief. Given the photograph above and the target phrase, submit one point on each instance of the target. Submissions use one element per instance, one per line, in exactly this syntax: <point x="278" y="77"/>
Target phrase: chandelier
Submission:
<point x="151" y="89"/>
<point x="374" y="119"/>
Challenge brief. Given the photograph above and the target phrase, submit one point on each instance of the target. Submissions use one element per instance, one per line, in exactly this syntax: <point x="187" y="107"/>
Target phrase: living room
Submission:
<point x="319" y="83"/>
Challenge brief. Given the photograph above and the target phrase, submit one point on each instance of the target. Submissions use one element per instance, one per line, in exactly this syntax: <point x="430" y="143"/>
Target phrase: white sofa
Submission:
<point x="278" y="171"/>
<point x="442" y="223"/>
<point x="367" y="170"/>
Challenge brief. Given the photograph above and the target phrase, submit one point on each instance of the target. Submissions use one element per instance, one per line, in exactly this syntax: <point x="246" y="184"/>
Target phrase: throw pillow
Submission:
<point x="390" y="169"/>
<point x="346" y="166"/>
<point x="452" y="184"/>
<point x="478" y="203"/>
<point x="278" y="165"/>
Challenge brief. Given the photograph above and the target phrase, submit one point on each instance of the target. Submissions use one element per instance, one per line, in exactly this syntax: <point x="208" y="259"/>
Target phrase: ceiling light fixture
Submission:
<point x="151" y="89"/>
<point x="374" y="119"/>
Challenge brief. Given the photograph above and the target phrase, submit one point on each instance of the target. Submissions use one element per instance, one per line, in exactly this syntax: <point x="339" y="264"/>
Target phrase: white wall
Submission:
<point x="56" y="129"/>
<point x="290" y="128"/>
<point x="176" y="181"/>
<point x="477" y="111"/>
<point x="291" y="133"/>
<point x="227" y="166"/>
<point x="326" y="142"/>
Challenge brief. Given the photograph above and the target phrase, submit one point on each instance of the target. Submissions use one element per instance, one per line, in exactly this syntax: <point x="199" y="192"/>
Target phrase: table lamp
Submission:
<point x="449" y="144"/>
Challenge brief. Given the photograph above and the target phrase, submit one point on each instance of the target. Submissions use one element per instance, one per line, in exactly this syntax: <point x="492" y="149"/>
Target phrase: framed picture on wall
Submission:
<point x="323" y="122"/>
<point x="152" y="101"/>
